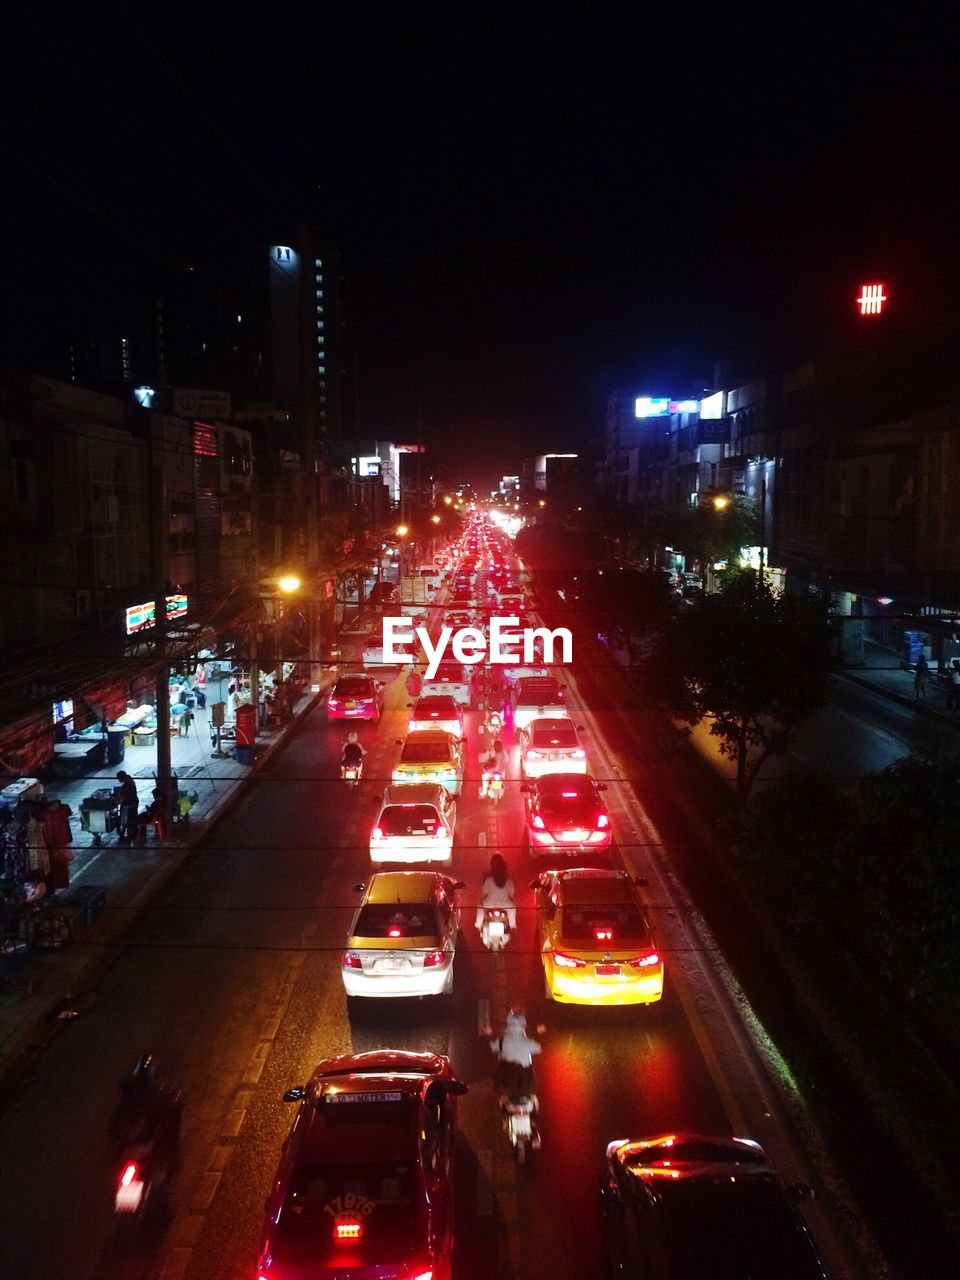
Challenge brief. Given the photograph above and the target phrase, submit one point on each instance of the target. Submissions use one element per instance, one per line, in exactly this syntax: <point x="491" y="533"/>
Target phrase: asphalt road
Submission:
<point x="233" y="979"/>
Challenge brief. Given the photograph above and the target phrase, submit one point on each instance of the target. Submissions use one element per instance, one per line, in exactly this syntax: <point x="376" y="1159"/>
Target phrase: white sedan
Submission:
<point x="551" y="746"/>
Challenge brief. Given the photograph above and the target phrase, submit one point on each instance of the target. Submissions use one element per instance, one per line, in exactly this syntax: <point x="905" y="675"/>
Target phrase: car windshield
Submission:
<point x="744" y="1227"/>
<point x="396" y="920"/>
<point x="425" y="753"/>
<point x="560" y="734"/>
<point x="409" y="820"/>
<point x="355" y="688"/>
<point x="435" y="709"/>
<point x="581" y="921"/>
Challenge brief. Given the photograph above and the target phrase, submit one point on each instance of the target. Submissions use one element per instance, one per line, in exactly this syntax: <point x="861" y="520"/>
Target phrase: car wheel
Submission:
<point x="448" y="984"/>
<point x="547" y="993"/>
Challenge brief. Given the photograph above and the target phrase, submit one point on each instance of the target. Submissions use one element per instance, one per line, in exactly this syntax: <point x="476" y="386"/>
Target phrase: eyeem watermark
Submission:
<point x="469" y="645"/>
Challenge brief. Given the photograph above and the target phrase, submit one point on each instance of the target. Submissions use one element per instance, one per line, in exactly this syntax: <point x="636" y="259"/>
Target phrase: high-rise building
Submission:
<point x="305" y="331"/>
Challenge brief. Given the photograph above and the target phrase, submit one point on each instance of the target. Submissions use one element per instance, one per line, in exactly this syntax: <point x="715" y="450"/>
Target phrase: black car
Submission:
<point x="683" y="1207"/>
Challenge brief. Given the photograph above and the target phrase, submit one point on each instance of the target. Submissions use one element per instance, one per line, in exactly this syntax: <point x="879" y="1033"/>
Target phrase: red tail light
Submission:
<point x="568" y="962"/>
<point x="603" y="935"/>
<point x="602" y="822"/>
<point x="646" y="961"/>
<point x="376" y="833"/>
<point x="538" y="822"/>
<point x="130" y="1173"/>
<point x="432" y="959"/>
<point x="394" y="933"/>
<point x="352" y="961"/>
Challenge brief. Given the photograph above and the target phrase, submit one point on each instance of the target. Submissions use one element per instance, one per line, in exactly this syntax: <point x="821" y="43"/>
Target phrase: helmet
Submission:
<point x="497" y="744"/>
<point x="516" y="1020"/>
<point x="352" y="736"/>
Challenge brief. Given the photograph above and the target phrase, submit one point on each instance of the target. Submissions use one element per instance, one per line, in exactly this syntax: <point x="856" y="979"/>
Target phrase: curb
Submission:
<point x="38" y="1030"/>
<point x="922" y="708"/>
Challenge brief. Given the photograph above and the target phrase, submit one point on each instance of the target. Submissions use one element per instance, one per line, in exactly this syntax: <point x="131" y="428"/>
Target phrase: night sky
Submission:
<point x="531" y="210"/>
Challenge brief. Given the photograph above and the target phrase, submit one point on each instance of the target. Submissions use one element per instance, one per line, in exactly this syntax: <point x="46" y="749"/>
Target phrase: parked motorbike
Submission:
<point x="495" y="929"/>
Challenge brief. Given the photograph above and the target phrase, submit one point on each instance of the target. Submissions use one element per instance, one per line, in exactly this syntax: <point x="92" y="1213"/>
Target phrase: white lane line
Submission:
<point x="483" y="1016"/>
<point x="233" y="1123"/>
<point x="482" y="839"/>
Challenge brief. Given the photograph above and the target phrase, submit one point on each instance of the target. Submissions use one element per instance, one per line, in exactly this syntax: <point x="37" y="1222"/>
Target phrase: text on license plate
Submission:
<point x="391" y="966"/>
<point x="608" y="970"/>
<point x="351" y="706"/>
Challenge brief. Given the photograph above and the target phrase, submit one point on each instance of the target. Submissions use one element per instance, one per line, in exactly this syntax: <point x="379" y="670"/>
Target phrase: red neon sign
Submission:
<point x="871" y="300"/>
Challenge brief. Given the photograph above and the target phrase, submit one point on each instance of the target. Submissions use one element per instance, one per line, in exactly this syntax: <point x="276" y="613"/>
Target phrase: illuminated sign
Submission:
<point x="871" y="300"/>
<point x="283" y="253"/>
<point x="711" y="407"/>
<point x="144" y="396"/>
<point x="369" y="466"/>
<point x="142" y="616"/>
<point x="663" y="406"/>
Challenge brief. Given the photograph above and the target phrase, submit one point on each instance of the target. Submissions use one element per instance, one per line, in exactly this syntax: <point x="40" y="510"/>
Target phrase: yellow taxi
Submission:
<point x="595" y="942"/>
<point x="430" y="755"/>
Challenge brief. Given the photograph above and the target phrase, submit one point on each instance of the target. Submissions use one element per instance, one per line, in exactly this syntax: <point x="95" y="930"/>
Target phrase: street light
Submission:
<point x="289" y="583"/>
<point x="448" y="500"/>
<point x="435" y="519"/>
<point x="401" y="530"/>
<point x="720" y="502"/>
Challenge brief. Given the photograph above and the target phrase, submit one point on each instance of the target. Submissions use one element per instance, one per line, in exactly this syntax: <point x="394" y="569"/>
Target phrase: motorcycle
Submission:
<point x="148" y="1161"/>
<point x="495" y="929"/>
<point x="352" y="772"/>
<point x="495" y="786"/>
<point x="518" y="1120"/>
<point x="493" y="724"/>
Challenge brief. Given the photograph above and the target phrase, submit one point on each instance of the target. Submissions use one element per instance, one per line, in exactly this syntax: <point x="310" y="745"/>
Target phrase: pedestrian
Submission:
<point x="953" y="686"/>
<point x="186" y="720"/>
<point x="129" y="802"/>
<point x="58" y="838"/>
<point x="920" y="680"/>
<point x="414" y="683"/>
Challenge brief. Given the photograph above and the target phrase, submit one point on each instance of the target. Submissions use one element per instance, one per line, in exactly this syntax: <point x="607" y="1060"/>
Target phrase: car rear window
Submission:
<point x="581" y="922"/>
<point x="557" y="735"/>
<point x="538" y="692"/>
<point x="575" y="808"/>
<point x="448" y="673"/>
<point x="355" y="688"/>
<point x="319" y="1193"/>
<point x="409" y="820"/>
<point x="397" y="920"/>
<point x="442" y="707"/>
<point x="426" y="753"/>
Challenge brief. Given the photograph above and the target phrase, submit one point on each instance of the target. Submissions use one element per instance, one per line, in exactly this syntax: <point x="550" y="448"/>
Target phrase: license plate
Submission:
<point x="495" y="928"/>
<point x="554" y="755"/>
<point x="391" y="966"/>
<point x="574" y="837"/>
<point x="608" y="970"/>
<point x="351" y="706"/>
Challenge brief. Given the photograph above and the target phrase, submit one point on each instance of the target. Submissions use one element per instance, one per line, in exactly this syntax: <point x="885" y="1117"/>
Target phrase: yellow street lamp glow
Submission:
<point x="435" y="519"/>
<point x="448" y="500"/>
<point x="541" y="503"/>
<point x="289" y="582"/>
<point x="402" y="530"/>
<point x="720" y="502"/>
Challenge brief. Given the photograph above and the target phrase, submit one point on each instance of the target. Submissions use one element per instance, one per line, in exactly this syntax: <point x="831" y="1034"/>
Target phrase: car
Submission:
<point x="365" y="1185"/>
<point x="450" y="680"/>
<point x="403" y="938"/>
<point x="535" y="698"/>
<point x="371" y="653"/>
<point x="355" y="698"/>
<point x="429" y="755"/>
<point x="415" y="823"/>
<point x="549" y="745"/>
<point x="566" y="815"/>
<point x="688" y="1206"/>
<point x="436" y="711"/>
<point x="595" y="943"/>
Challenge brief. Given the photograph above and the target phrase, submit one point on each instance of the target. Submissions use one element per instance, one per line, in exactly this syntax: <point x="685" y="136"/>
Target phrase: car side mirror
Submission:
<point x="562" y="686"/>
<point x="295" y="1095"/>
<point x="601" y="786"/>
<point x="398" y="742"/>
<point x="536" y="884"/>
<point x="641" y="881"/>
<point x="524" y="787"/>
<point x="802" y="1192"/>
<point x="580" y="727"/>
<point x="409" y="704"/>
<point x="359" y="888"/>
<point x="457" y="1088"/>
<point x="459" y="884"/>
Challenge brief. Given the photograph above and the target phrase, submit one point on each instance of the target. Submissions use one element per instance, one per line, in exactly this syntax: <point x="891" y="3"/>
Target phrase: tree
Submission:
<point x="756" y="665"/>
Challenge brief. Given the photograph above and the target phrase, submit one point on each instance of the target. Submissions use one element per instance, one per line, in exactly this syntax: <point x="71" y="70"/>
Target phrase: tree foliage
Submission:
<point x="754" y="664"/>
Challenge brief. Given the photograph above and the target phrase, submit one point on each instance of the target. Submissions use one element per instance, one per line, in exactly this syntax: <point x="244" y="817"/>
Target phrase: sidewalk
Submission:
<point x="883" y="674"/>
<point x="48" y="981"/>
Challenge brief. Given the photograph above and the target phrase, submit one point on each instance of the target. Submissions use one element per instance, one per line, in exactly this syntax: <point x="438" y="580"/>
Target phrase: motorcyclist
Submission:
<point x="494" y="761"/>
<point x="498" y="890"/>
<point x="515" y="1051"/>
<point x="148" y="1118"/>
<point x="353" y="752"/>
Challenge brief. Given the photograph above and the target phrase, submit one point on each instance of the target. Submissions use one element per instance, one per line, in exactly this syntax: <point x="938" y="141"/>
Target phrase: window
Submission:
<point x="321" y="368"/>
<point x="319" y="293"/>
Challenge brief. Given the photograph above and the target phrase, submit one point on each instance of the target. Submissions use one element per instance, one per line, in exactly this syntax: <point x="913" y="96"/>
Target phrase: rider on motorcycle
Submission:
<point x="515" y="1050"/>
<point x="147" y="1116"/>
<point x="353" y="752"/>
<point x="498" y="890"/>
<point x="493" y="761"/>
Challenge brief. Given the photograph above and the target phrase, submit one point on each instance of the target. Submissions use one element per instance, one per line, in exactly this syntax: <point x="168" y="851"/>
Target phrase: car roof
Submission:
<point x="554" y="783"/>
<point x="532" y="682"/>
<point x="429" y="700"/>
<point x="583" y="885"/>
<point x="428" y="735"/>
<point x="414" y="793"/>
<point x="402" y="886"/>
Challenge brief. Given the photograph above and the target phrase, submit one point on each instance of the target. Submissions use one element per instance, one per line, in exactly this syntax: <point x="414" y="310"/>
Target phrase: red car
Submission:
<point x="355" y="698"/>
<point x="365" y="1185"/>
<point x="565" y="815"/>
